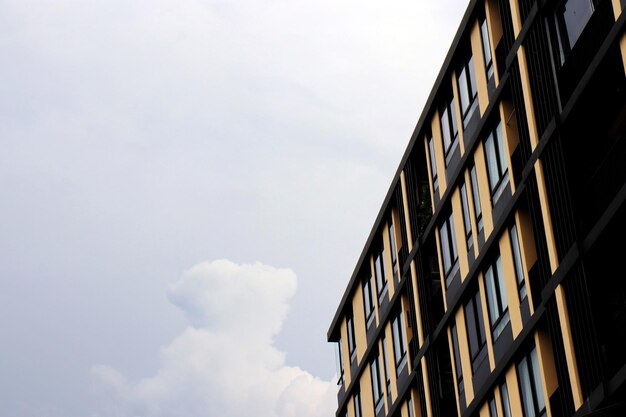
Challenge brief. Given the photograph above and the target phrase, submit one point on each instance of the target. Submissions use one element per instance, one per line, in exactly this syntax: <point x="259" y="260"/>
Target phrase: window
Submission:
<point x="357" y="404"/>
<point x="449" y="130"/>
<point x="368" y="302"/>
<point x="493" y="411"/>
<point x="467" y="89"/>
<point x="386" y="365"/>
<point x="399" y="341"/>
<point x="496" y="298"/>
<point x="530" y="385"/>
<point x="506" y="405"/>
<point x="339" y="363"/>
<point x="476" y="197"/>
<point x="377" y="389"/>
<point x="381" y="274"/>
<point x="351" y="339"/>
<point x="571" y="18"/>
<point x="517" y="259"/>
<point x="448" y="249"/>
<point x="409" y="406"/>
<point x="394" y="250"/>
<point x="475" y="331"/>
<point x="466" y="217"/>
<point x="496" y="162"/>
<point x="433" y="164"/>
<point x="484" y="34"/>
<point x="457" y="361"/>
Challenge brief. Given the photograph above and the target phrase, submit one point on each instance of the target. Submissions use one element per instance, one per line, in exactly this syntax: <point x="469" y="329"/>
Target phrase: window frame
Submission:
<point x="380" y="270"/>
<point x="386" y="366"/>
<point x="368" y="298"/>
<point x="517" y="262"/>
<point x="498" y="172"/>
<point x="449" y="249"/>
<point x="339" y="360"/>
<point x="433" y="164"/>
<point x="466" y="216"/>
<point x="530" y="364"/>
<point x="478" y="211"/>
<point x="478" y="354"/>
<point x="498" y="308"/>
<point x="447" y="120"/>
<point x="351" y="337"/>
<point x="393" y="248"/>
<point x="398" y="334"/>
<point x="377" y="387"/>
<point x="356" y="399"/>
<point x="466" y="82"/>
<point x="486" y="44"/>
<point x="457" y="360"/>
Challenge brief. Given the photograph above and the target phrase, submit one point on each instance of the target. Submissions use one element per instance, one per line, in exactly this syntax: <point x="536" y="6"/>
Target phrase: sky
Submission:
<point x="186" y="187"/>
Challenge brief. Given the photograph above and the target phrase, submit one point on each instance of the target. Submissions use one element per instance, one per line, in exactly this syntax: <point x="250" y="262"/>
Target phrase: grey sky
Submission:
<point x="142" y="138"/>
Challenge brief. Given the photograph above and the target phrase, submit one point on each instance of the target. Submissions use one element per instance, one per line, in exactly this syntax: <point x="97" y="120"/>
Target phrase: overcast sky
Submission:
<point x="185" y="188"/>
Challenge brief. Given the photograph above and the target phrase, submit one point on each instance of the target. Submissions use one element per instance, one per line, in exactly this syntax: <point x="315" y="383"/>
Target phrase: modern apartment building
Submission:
<point x="492" y="282"/>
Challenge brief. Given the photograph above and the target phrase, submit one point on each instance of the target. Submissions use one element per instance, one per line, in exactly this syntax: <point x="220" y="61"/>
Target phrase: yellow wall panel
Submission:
<point x="439" y="155"/>
<point x="479" y="68"/>
<point x="459" y="232"/>
<point x="510" y="281"/>
<point x="483" y="188"/>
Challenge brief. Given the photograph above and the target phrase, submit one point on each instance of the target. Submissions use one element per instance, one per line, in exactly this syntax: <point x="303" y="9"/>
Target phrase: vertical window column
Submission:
<point x="449" y="130"/>
<point x="449" y="252"/>
<point x="399" y="342"/>
<point x="530" y="385"/>
<point x="394" y="250"/>
<point x="496" y="298"/>
<point x="467" y="89"/>
<point x="433" y="167"/>
<point x="476" y="197"/>
<point x="351" y="338"/>
<point x="517" y="260"/>
<point x="484" y="35"/>
<point x="381" y="274"/>
<point x="476" y="331"/>
<point x="339" y="363"/>
<point x="466" y="217"/>
<point x="368" y="302"/>
<point x="497" y="169"/>
<point x="377" y="389"/>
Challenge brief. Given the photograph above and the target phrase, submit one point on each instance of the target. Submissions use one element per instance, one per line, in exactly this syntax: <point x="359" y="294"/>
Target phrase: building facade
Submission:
<point x="492" y="282"/>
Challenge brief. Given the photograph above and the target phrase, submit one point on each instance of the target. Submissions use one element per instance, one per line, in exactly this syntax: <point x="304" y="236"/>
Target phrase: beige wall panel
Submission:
<point x="459" y="232"/>
<point x="345" y="355"/>
<point x="439" y="155"/>
<point x="418" y="311"/>
<point x="403" y="410"/>
<point x="408" y="330"/>
<point x="483" y="189"/>
<point x="395" y="218"/>
<point x="547" y="369"/>
<point x="494" y="23"/>
<point x="528" y="98"/>
<point x="568" y="344"/>
<point x="485" y="313"/>
<point x="617" y="9"/>
<point x="498" y="398"/>
<point x="508" y="267"/>
<point x="429" y="409"/>
<point x="417" y="411"/>
<point x="484" y="410"/>
<point x="358" y="315"/>
<point x="457" y="112"/>
<point x="511" y="138"/>
<point x="516" y="17"/>
<point x="622" y="46"/>
<point x="365" y="387"/>
<point x="387" y="259"/>
<point x="350" y="405"/>
<point x="479" y="68"/>
<point x="547" y="218"/>
<point x="515" y="401"/>
<point x="405" y="204"/>
<point x="466" y="361"/>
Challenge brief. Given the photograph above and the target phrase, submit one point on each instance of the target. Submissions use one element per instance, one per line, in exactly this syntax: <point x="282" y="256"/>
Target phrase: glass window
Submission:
<point x="530" y="385"/>
<point x="433" y="164"/>
<point x="386" y="365"/>
<point x="506" y="406"/>
<point x="467" y="89"/>
<point x="475" y="330"/>
<point x="449" y="130"/>
<point x="409" y="406"/>
<point x="399" y="341"/>
<point x="484" y="34"/>
<point x="466" y="217"/>
<point x="394" y="251"/>
<point x="476" y="197"/>
<point x="377" y="389"/>
<point x="517" y="259"/>
<point x="493" y="411"/>
<point x="368" y="302"/>
<point x="357" y="404"/>
<point x="457" y="360"/>
<point x="496" y="297"/>
<point x="571" y="18"/>
<point x="495" y="152"/>
<point x="381" y="274"/>
<point x="448" y="249"/>
<point x="339" y="363"/>
<point x="351" y="339"/>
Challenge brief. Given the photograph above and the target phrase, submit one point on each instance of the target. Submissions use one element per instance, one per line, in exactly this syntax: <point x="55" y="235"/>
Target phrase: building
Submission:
<point x="492" y="282"/>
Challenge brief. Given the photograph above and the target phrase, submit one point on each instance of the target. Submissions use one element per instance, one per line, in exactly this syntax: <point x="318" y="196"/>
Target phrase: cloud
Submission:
<point x="224" y="363"/>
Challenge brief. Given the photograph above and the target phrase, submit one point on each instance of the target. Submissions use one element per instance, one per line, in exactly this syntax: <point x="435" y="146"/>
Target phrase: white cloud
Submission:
<point x="224" y="363"/>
